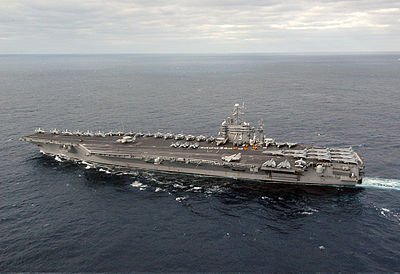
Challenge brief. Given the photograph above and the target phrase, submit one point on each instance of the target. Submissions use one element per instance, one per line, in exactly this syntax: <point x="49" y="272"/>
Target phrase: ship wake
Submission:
<point x="381" y="183"/>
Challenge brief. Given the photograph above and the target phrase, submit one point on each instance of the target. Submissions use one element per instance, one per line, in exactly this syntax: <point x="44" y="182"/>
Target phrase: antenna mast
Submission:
<point x="236" y="113"/>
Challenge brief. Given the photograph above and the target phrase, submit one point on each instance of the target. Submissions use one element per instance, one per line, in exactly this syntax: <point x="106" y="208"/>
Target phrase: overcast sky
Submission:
<point x="198" y="26"/>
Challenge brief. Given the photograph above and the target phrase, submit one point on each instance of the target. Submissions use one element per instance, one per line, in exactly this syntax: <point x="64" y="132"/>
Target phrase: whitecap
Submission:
<point x="214" y="189"/>
<point x="178" y="186"/>
<point x="309" y="211"/>
<point x="58" y="159"/>
<point x="388" y="214"/>
<point x="194" y="189"/>
<point x="137" y="184"/>
<point x="180" y="199"/>
<point x="104" y="170"/>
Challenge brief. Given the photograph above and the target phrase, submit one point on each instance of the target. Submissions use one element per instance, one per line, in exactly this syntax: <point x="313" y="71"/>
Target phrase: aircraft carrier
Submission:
<point x="239" y="151"/>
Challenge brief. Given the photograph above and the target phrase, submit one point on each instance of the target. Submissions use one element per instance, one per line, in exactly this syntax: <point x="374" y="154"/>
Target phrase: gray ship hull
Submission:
<point x="156" y="154"/>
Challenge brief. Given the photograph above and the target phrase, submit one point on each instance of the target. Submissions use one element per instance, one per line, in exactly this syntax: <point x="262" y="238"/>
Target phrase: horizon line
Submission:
<point x="214" y="53"/>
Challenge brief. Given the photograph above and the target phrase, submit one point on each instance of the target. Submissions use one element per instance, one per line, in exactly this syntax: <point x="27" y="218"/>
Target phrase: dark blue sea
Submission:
<point x="63" y="217"/>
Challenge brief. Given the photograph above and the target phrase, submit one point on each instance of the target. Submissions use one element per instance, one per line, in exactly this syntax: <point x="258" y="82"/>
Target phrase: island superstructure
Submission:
<point x="239" y="151"/>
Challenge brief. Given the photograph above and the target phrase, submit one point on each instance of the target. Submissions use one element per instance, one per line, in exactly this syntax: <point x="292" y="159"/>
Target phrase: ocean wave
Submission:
<point x="215" y="189"/>
<point x="388" y="214"/>
<point x="104" y="170"/>
<point x="158" y="189"/>
<point x="58" y="159"/>
<point x="137" y="184"/>
<point x="309" y="211"/>
<point x="180" y="199"/>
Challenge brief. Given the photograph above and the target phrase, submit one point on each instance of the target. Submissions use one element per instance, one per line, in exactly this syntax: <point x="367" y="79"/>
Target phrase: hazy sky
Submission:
<point x="198" y="26"/>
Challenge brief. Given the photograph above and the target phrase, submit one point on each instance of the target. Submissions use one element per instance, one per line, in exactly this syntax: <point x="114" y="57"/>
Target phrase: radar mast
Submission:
<point x="237" y="112"/>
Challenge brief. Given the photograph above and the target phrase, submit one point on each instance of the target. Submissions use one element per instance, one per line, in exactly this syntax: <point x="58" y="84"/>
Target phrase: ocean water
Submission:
<point x="56" y="216"/>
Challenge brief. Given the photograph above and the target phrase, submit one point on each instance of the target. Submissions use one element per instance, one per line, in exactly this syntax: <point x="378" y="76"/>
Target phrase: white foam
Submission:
<point x="381" y="183"/>
<point x="139" y="185"/>
<point x="194" y="189"/>
<point x="388" y="214"/>
<point x="214" y="189"/>
<point x="58" y="159"/>
<point x="105" y="171"/>
<point x="180" y="199"/>
<point x="88" y="166"/>
<point x="197" y="188"/>
<point x="309" y="211"/>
